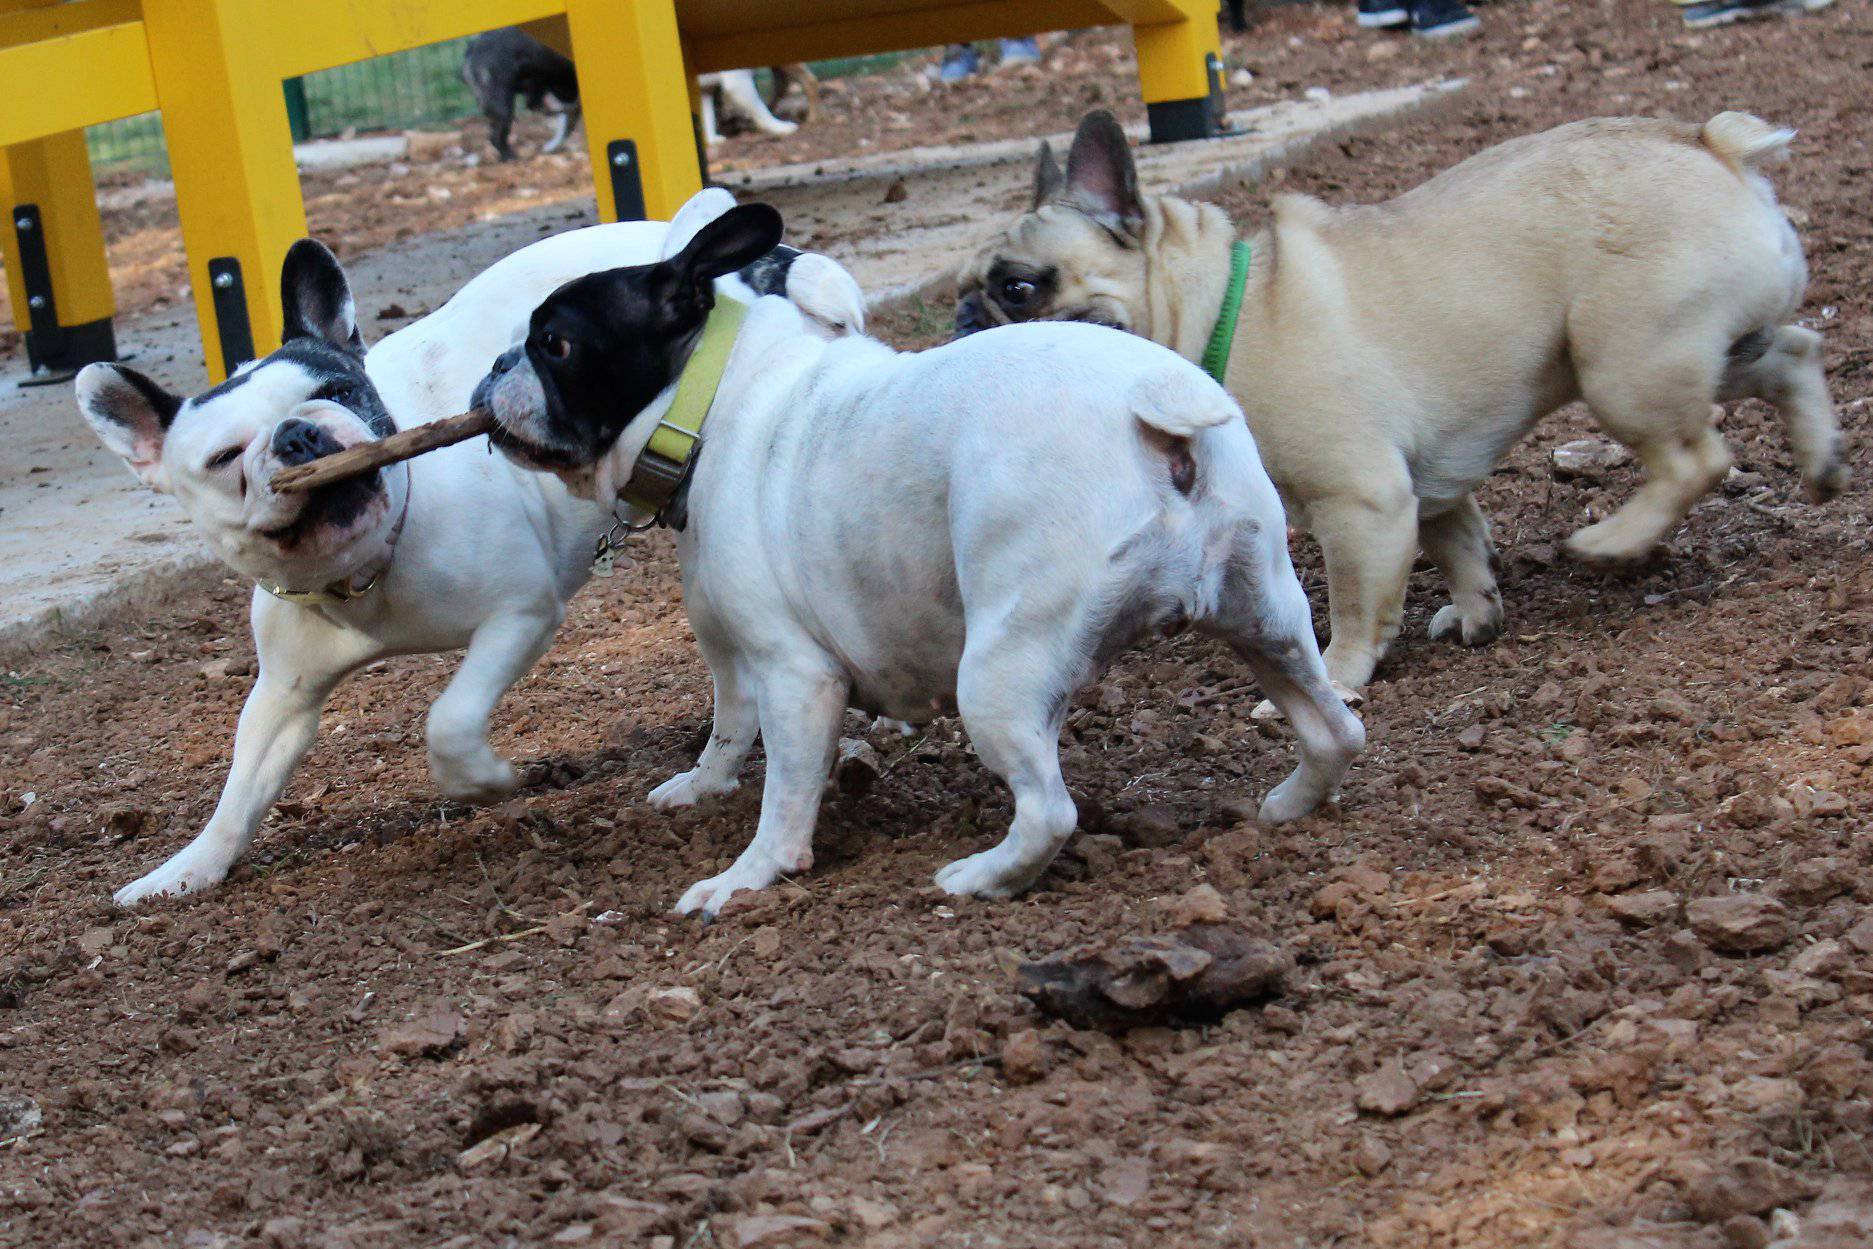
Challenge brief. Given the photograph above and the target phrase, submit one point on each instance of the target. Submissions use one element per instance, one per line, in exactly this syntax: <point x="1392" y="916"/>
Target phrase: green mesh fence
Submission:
<point x="402" y="91"/>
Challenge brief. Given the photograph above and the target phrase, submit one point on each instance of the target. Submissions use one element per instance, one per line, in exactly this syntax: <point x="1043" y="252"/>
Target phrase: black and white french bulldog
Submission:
<point x="455" y="549"/>
<point x="981" y="527"/>
<point x="502" y="65"/>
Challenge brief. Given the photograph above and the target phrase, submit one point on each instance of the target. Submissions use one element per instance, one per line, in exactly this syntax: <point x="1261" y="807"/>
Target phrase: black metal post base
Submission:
<point x="57" y="352"/>
<point x="1200" y="117"/>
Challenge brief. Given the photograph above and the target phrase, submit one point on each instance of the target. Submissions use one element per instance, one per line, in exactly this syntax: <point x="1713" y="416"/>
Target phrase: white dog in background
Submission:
<point x="455" y="549"/>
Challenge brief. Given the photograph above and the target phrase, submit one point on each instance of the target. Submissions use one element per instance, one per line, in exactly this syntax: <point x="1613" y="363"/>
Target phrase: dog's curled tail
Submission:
<point x="1744" y="141"/>
<point x="1177" y="400"/>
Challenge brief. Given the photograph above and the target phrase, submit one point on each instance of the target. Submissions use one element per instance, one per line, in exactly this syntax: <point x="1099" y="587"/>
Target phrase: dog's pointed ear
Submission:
<point x="697" y="211"/>
<point x="737" y="238"/>
<point x="1047" y="176"/>
<point x="130" y="413"/>
<point x="317" y="297"/>
<point x="1101" y="179"/>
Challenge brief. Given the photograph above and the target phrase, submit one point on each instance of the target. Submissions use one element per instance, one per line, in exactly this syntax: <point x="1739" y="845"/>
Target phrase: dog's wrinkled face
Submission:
<point x="1077" y="254"/>
<point x="603" y="347"/>
<point x="218" y="451"/>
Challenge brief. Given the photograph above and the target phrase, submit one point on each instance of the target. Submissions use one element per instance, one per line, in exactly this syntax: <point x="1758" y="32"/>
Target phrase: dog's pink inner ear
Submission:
<point x="1101" y="180"/>
<point x="130" y="413"/>
<point x="1048" y="179"/>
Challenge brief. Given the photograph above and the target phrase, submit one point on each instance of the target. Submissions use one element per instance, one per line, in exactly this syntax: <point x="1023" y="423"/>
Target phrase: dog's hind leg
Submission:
<point x="1782" y="367"/>
<point x="1012" y="692"/>
<point x="1263" y="615"/>
<point x="302" y="659"/>
<point x="800" y="710"/>
<point x="1457" y="541"/>
<point x="737" y="722"/>
<point x="738" y="88"/>
<point x="501" y="651"/>
<point x="1660" y="406"/>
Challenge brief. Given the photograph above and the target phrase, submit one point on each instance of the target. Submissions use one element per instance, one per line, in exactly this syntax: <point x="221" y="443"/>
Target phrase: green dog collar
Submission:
<point x="1223" y="337"/>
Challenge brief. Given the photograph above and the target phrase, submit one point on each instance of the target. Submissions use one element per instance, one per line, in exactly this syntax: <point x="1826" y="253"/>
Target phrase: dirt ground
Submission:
<point x="1521" y="1011"/>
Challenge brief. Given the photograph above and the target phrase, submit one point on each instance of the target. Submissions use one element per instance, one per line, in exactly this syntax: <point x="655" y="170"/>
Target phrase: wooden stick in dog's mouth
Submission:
<point x="402" y="445"/>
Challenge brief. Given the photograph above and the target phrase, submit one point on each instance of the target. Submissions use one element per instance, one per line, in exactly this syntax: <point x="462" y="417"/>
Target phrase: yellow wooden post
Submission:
<point x="53" y="245"/>
<point x="634" y="91"/>
<point x="1180" y="71"/>
<point x="231" y="149"/>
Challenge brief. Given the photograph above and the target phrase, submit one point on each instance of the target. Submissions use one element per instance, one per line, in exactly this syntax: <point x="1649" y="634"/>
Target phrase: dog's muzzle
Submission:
<point x="971" y="315"/>
<point x="484" y="389"/>
<point x="297" y="441"/>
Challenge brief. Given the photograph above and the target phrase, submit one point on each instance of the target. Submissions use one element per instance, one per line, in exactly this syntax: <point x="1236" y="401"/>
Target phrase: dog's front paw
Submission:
<point x="1289" y="800"/>
<point x="989" y="874"/>
<point x="751" y="871"/>
<point x="1608" y="543"/>
<point x="1477" y="627"/>
<point x="482" y="782"/>
<point x="686" y="790"/>
<point x="179" y="875"/>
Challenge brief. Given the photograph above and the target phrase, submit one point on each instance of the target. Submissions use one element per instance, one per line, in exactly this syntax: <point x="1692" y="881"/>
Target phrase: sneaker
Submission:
<point x="959" y="62"/>
<point x="1723" y="12"/>
<point x="1021" y="51"/>
<point x="1381" y="14"/>
<point x="1440" y="19"/>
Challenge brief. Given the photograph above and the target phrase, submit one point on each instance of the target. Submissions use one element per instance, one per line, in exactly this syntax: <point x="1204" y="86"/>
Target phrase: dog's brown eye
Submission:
<point x="1017" y="291"/>
<point x="224" y="458"/>
<point x="554" y="346"/>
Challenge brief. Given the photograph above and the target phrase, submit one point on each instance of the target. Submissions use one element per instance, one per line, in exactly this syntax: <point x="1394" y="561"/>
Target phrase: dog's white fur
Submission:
<point x="488" y="555"/>
<point x="739" y="94"/>
<point x="989" y="521"/>
<point x="1389" y="356"/>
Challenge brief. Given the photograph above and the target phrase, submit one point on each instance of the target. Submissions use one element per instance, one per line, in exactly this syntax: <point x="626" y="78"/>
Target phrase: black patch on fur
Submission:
<point x="626" y="335"/>
<point x="1750" y="348"/>
<point x="338" y="375"/>
<point x="160" y="401"/>
<point x="768" y="275"/>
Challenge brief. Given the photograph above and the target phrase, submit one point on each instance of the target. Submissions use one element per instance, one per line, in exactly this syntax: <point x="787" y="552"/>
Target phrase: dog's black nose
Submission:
<point x="299" y="442"/>
<point x="969" y="316"/>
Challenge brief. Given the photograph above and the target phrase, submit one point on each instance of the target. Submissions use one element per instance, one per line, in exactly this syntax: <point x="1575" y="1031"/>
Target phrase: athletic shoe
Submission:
<point x="1440" y="19"/>
<point x="959" y="62"/>
<point x="1021" y="51"/>
<point x="1379" y="14"/>
<point x="1723" y="12"/>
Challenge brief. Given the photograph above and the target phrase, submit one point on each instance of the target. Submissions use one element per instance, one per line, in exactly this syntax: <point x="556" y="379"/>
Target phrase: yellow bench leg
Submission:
<point x="52" y="243"/>
<point x="237" y="189"/>
<point x="634" y="91"/>
<point x="1180" y="73"/>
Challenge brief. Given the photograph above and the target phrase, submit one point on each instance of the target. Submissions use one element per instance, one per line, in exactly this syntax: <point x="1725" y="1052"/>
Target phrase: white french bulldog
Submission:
<point x="979" y="527"/>
<point x="454" y="549"/>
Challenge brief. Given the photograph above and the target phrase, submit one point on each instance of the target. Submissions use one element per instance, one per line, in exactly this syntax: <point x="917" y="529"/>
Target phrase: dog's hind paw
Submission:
<point x="177" y="876"/>
<point x="1473" y="629"/>
<point x="984" y="875"/>
<point x="710" y="896"/>
<point x="686" y="790"/>
<point x="482" y="782"/>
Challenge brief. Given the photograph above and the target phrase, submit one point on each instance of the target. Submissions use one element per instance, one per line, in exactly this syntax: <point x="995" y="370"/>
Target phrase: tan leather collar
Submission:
<point x="357" y="585"/>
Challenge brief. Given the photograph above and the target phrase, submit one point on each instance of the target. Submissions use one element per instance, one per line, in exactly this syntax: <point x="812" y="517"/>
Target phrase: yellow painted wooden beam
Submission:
<point x="60" y="71"/>
<point x="54" y="173"/>
<point x="633" y="86"/>
<point x="1173" y="58"/>
<point x="922" y="27"/>
<point x="552" y="32"/>
<point x="1152" y="12"/>
<point x="304" y="37"/>
<point x="237" y="190"/>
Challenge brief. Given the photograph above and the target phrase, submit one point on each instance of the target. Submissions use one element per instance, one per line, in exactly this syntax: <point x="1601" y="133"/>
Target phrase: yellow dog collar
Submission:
<point x="664" y="465"/>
